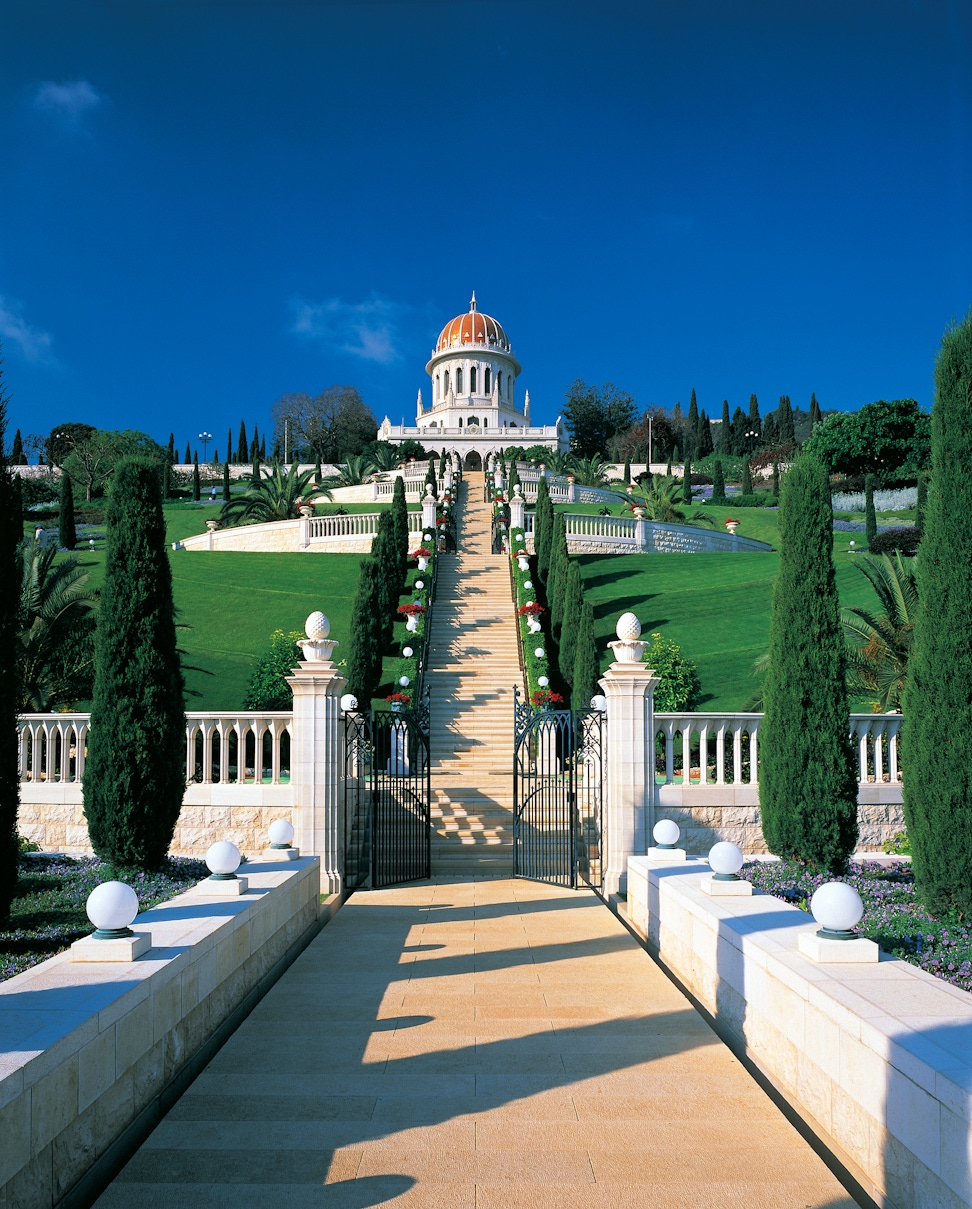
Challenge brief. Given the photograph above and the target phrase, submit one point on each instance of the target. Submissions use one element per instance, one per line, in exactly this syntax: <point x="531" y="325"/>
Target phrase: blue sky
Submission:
<point x="207" y="204"/>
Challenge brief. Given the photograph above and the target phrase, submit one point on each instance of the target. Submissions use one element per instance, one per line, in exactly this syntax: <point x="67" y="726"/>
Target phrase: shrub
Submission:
<point x="67" y="536"/>
<point x="584" y="679"/>
<point x="718" y="482"/>
<point x="906" y="539"/>
<point x="268" y="687"/>
<point x="678" y="679"/>
<point x="365" y="645"/>
<point x="134" y="775"/>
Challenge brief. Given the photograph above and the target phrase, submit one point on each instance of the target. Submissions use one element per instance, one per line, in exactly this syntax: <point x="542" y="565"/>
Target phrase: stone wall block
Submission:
<point x="53" y="1103"/>
<point x="15" y="1132"/>
<point x="96" y="1068"/>
<point x="75" y="1149"/>
<point x="33" y="1184"/>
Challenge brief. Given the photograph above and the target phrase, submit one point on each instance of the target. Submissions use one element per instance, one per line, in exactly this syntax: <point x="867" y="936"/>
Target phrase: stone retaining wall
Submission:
<point x="90" y="1049"/>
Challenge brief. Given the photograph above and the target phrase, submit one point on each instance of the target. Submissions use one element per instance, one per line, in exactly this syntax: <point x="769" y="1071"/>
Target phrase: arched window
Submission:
<point x="472" y="379"/>
<point x="485" y="421"/>
<point x="460" y="421"/>
<point x="434" y="424"/>
<point x="438" y="387"/>
<point x="499" y="382"/>
<point x="445" y="382"/>
<point x="459" y="381"/>
<point x="486" y="380"/>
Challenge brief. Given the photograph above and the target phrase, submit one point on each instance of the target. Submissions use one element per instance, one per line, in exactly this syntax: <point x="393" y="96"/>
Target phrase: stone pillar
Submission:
<point x="629" y="687"/>
<point x="304" y="530"/>
<point x="641" y="530"/>
<point x="571" y="493"/>
<point x="317" y="753"/>
<point x="517" y="509"/>
<point x="428" y="510"/>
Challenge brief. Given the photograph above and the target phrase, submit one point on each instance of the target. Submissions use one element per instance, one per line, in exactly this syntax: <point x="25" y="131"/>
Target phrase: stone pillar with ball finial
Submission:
<point x="317" y="750"/>
<point x="629" y="686"/>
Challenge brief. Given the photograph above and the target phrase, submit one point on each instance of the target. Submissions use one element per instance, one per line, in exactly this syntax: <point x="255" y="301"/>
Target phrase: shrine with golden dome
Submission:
<point x="473" y="410"/>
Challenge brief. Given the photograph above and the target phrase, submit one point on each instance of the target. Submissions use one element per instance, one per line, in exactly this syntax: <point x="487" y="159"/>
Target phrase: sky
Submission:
<point x="206" y="204"/>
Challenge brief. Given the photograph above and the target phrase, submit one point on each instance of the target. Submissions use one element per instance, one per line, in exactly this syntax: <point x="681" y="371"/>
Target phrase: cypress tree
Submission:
<point x="188" y="458"/>
<point x="243" y="446"/>
<point x="386" y="560"/>
<point x="255" y="475"/>
<point x="725" y="429"/>
<point x="922" y="500"/>
<point x="668" y="468"/>
<point x="263" y="449"/>
<point x="676" y="456"/>
<point x="171" y="451"/>
<point x="706" y="445"/>
<point x="770" y="436"/>
<point x="754" y="424"/>
<point x="195" y="477"/>
<point x="558" y="573"/>
<point x="687" y="481"/>
<point x="937" y="704"/>
<point x="815" y="416"/>
<point x="17" y="457"/>
<point x="718" y="481"/>
<point x="400" y="515"/>
<point x="573" y="603"/>
<point x="870" y="519"/>
<point x="365" y="645"/>
<point x="317" y="472"/>
<point x="747" y="478"/>
<point x="737" y="444"/>
<point x="584" y="679"/>
<point x="135" y="772"/>
<point x="67" y="534"/>
<point x="542" y="529"/>
<point x="226" y="481"/>
<point x="626" y="473"/>
<point x="693" y="424"/>
<point x="11" y="535"/>
<point x="18" y="504"/>
<point x="784" y="421"/>
<point x="215" y="458"/>
<point x="165" y="480"/>
<point x="255" y="443"/>
<point x="808" y="776"/>
<point x="229" y="445"/>
<point x="776" y="480"/>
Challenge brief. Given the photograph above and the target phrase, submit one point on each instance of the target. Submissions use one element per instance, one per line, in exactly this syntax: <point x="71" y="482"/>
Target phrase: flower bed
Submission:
<point x="48" y="913"/>
<point x="894" y="915"/>
<point x="536" y="666"/>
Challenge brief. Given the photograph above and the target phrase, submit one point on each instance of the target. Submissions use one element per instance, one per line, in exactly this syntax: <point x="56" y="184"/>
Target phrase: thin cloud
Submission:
<point x="368" y="330"/>
<point x="70" y="100"/>
<point x="34" y="344"/>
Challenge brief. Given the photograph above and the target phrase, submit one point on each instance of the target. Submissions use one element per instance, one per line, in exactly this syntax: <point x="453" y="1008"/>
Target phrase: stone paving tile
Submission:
<point x="472" y="1045"/>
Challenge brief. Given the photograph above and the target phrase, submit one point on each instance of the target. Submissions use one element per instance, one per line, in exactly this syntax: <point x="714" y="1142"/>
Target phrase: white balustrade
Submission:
<point x="52" y="747"/>
<point x="354" y="524"/>
<point x="686" y="736"/>
<point x="616" y="528"/>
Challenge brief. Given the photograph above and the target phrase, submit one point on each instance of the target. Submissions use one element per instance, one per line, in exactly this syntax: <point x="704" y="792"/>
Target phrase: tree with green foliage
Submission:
<point x="399" y="508"/>
<point x="594" y="415"/>
<point x="170" y="452"/>
<point x="676" y="456"/>
<point x="365" y="645"/>
<point x="573" y="603"/>
<point x="134" y="775"/>
<point x="692" y="426"/>
<point x="747" y="478"/>
<point x="870" y="516"/>
<point x="11" y="535"/>
<point x="274" y="498"/>
<point x="195" y="478"/>
<point x="227" y="494"/>
<point x="678" y="679"/>
<point x="776" y="480"/>
<point x="705" y="444"/>
<point x="879" y="644"/>
<point x="583" y="680"/>
<point x="770" y="434"/>
<point x="753" y="422"/>
<point x="890" y="439"/>
<point x="556" y="581"/>
<point x="188" y="458"/>
<point x="660" y="496"/>
<point x="937" y="702"/>
<point x="922" y="500"/>
<point x="230" y="457"/>
<point x="543" y="528"/>
<point x="725" y="429"/>
<point x="687" y="481"/>
<point x="786" y="434"/>
<point x="242" y="446"/>
<point x="626" y="471"/>
<point x="255" y="473"/>
<point x="385" y="556"/>
<point x="738" y="444"/>
<point x="67" y="534"/>
<point x="17" y="455"/>
<point x="718" y="481"/>
<point x="268" y="687"/>
<point x="815" y="416"/>
<point x="808" y="774"/>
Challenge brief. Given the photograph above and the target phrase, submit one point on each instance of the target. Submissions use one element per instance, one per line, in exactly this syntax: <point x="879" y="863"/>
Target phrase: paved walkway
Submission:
<point x="474" y="1044"/>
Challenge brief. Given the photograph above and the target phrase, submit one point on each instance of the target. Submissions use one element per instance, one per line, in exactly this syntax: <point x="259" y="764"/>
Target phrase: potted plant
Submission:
<point x="411" y="613"/>
<point x="422" y="554"/>
<point x="399" y="701"/>
<point x="732" y="524"/>
<point x="545" y="698"/>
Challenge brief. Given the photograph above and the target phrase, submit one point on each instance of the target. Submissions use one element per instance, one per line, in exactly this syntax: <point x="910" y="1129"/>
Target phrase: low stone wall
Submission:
<point x="91" y="1051"/>
<point x="707" y="813"/>
<point x="53" y="817"/>
<point x="875" y="1058"/>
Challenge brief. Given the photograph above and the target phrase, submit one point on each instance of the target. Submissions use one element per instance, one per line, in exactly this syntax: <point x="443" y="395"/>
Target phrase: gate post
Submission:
<point x="317" y="751"/>
<point x="629" y="687"/>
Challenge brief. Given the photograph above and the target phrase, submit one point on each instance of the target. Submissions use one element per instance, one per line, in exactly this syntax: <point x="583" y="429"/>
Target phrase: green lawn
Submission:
<point x="716" y="606"/>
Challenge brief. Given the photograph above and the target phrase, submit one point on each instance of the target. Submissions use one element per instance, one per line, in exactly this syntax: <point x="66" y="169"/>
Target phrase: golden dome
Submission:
<point x="472" y="328"/>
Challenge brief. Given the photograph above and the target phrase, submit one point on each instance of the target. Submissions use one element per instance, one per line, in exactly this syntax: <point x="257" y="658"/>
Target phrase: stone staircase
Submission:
<point x="473" y="666"/>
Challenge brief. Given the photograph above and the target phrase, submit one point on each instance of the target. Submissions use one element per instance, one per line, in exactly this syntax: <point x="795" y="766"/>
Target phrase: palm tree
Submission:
<point x="557" y="462"/>
<point x="589" y="472"/>
<point x="878" y="644"/>
<point x="353" y="472"/>
<point x="384" y="456"/>
<point x="274" y="498"/>
<point x="661" y="498"/>
<point x="55" y="629"/>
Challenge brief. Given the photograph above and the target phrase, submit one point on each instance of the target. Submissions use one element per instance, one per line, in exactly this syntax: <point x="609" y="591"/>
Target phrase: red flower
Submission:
<point x="545" y="696"/>
<point x="411" y="608"/>
<point x="399" y="698"/>
<point x="421" y="552"/>
<point x="530" y="610"/>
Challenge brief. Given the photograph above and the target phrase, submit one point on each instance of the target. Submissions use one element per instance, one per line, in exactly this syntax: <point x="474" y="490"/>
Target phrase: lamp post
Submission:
<point x="752" y="436"/>
<point x="205" y="437"/>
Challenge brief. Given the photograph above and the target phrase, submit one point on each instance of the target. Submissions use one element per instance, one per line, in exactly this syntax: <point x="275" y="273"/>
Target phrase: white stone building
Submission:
<point x="474" y="410"/>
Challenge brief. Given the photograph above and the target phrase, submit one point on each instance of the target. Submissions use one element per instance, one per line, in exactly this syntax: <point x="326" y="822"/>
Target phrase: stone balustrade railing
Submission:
<point x="629" y="535"/>
<point x="354" y="524"/>
<point x="731" y="744"/>
<point x="237" y="748"/>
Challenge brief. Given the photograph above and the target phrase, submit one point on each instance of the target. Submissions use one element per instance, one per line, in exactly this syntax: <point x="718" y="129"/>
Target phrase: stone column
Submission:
<point x="428" y="510"/>
<point x="517" y="509"/>
<point x="317" y="752"/>
<point x="629" y="687"/>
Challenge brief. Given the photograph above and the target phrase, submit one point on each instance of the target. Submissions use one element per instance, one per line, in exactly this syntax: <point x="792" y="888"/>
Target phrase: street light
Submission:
<point x="752" y="436"/>
<point x="205" y="437"/>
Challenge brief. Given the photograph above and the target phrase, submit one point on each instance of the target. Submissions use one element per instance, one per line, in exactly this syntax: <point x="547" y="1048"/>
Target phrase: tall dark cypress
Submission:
<point x="808" y="777"/>
<point x="263" y="448"/>
<point x="226" y="481"/>
<point x="739" y="444"/>
<point x="229" y="445"/>
<point x="626" y="472"/>
<point x="784" y="421"/>
<point x="725" y="429"/>
<point x="815" y="416"/>
<point x="754" y="422"/>
<point x="747" y="478"/>
<point x="255" y="474"/>
<point x="188" y="458"/>
<point x="705" y="445"/>
<point x="195" y="477"/>
<point x="243" y="446"/>
<point x="365" y="645"/>
<point x="583" y="682"/>
<point x="776" y="480"/>
<point x="67" y="534"/>
<point x="543" y="529"/>
<point x="11" y="535"/>
<point x="937" y="703"/>
<point x="399" y="507"/>
<point x="171" y="452"/>
<point x="870" y="516"/>
<point x="573" y="603"/>
<point x="389" y="587"/>
<point x="687" y="481"/>
<point x="692" y="426"/>
<point x="922" y="499"/>
<point x="17" y="457"/>
<point x="135" y="772"/>
<point x="559" y="561"/>
<point x="718" y="481"/>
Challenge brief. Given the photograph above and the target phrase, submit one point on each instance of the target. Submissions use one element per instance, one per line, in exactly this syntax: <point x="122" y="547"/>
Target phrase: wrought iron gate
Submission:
<point x="558" y="792"/>
<point x="387" y="792"/>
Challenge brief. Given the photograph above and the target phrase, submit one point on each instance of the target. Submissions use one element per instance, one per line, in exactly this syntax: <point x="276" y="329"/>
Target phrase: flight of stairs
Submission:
<point x="473" y="666"/>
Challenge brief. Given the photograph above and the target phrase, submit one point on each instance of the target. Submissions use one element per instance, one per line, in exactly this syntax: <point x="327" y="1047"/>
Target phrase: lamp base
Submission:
<point x="119" y="948"/>
<point x="221" y="889"/>
<point x="657" y="853"/>
<point x="712" y="885"/>
<point x="281" y="854"/>
<point x="820" y="948"/>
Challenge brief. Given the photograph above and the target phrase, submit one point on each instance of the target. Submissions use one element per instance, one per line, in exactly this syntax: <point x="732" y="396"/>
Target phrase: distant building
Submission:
<point x="474" y="411"/>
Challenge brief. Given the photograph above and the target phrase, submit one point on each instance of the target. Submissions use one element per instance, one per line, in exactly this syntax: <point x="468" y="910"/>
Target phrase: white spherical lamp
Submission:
<point x="599" y="702"/>
<point x="665" y="833"/>
<point x="407" y="652"/>
<point x="420" y="584"/>
<point x="837" y="907"/>
<point x="349" y="702"/>
<point x="540" y="653"/>
<point x="281" y="832"/>
<point x="528" y="585"/>
<point x="223" y="859"/>
<point x="725" y="860"/>
<point x="542" y="681"/>
<point x="317" y="627"/>
<point x="403" y="681"/>
<point x="111" y="908"/>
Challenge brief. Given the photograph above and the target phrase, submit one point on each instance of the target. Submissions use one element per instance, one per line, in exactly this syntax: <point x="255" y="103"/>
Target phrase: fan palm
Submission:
<point x="55" y="629"/>
<point x="353" y="472"/>
<point x="589" y="472"/>
<point x="879" y="644"/>
<point x="384" y="456"/>
<point x="556" y="462"/>
<point x="273" y="498"/>
<point x="660" y="499"/>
